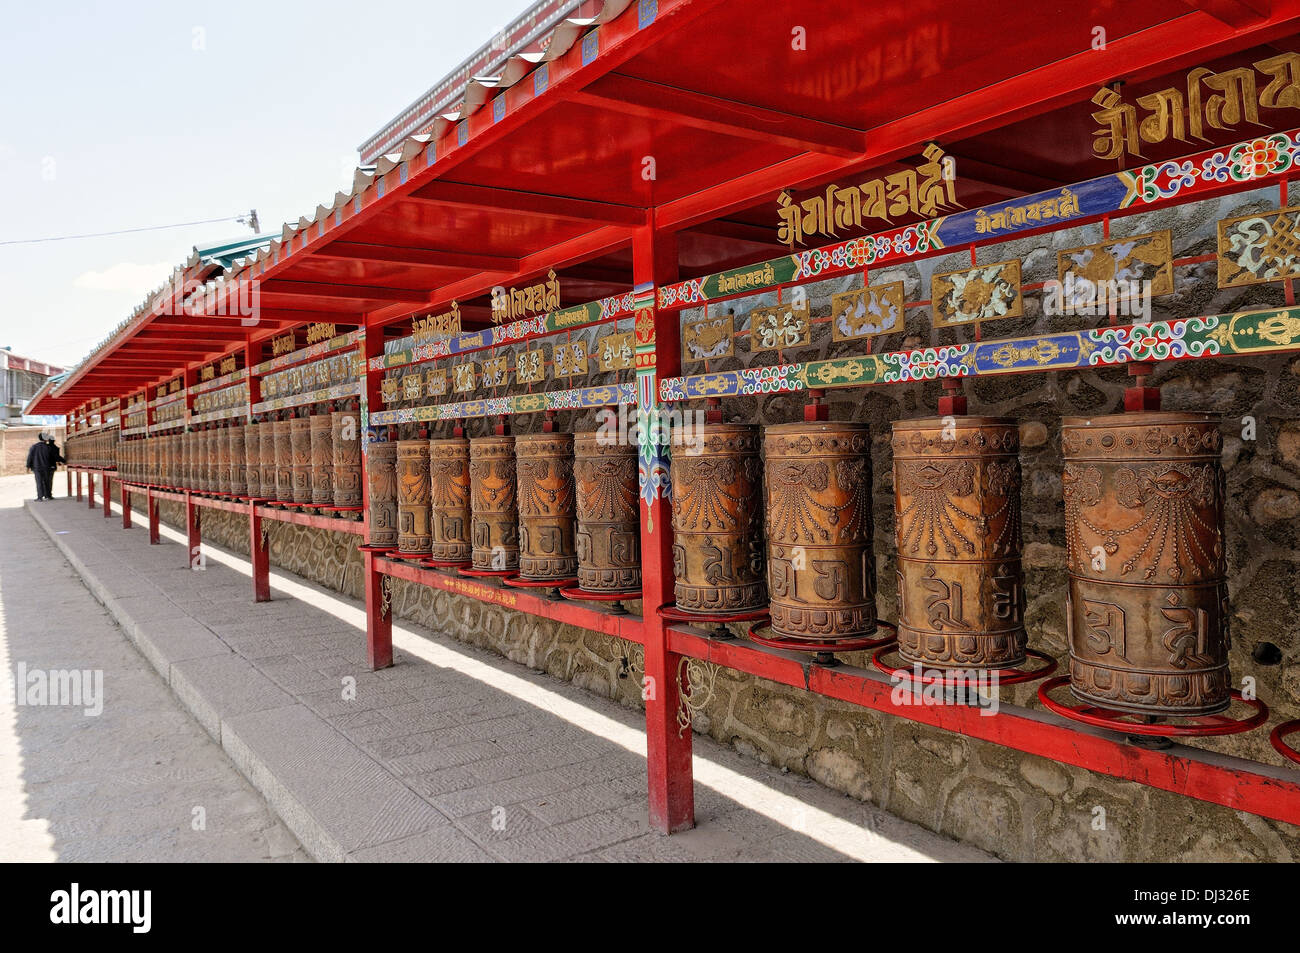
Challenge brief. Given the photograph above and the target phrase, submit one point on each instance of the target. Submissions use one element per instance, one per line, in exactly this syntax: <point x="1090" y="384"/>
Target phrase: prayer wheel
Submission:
<point x="219" y="443"/>
<point x="346" y="445"/>
<point x="381" y="462"/>
<point x="494" y="515"/>
<point x="718" y="519"/>
<point x="322" y="460"/>
<point x="282" y="444"/>
<point x="609" y="519"/>
<point x="1148" y="602"/>
<point x="199" y="465"/>
<point x="300" y="458"/>
<point x="546" y="506"/>
<point x="821" y="567"/>
<point x="413" y="536"/>
<point x="238" y="462"/>
<point x="266" y="453"/>
<point x="449" y="485"/>
<point x="957" y="533"/>
<point x="187" y="459"/>
<point x="253" y="459"/>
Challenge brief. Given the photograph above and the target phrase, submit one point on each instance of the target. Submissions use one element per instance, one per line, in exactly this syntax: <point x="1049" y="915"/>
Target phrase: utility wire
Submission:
<point x="127" y="231"/>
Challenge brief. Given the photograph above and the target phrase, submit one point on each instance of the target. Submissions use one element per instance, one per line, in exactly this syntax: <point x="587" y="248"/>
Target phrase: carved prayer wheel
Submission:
<point x="1148" y="603"/>
<point x="449" y="486"/>
<point x="282" y="437"/>
<point x="957" y="533"/>
<point x="199" y="464"/>
<point x="346" y="443"/>
<point x="718" y="519"/>
<point x="494" y="515"/>
<point x="820" y="563"/>
<point x="609" y="519"/>
<point x="266" y="451"/>
<point x="219" y="444"/>
<point x="253" y="459"/>
<point x="546" y="506"/>
<point x="238" y="462"/>
<point x="322" y="460"/>
<point x="413" y="535"/>
<point x="300" y="458"/>
<point x="381" y="462"/>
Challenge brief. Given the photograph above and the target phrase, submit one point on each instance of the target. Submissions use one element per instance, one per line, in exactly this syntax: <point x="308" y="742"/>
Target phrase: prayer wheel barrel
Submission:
<point x="266" y="452"/>
<point x="718" y="519"/>
<point x="219" y="443"/>
<point x="413" y="536"/>
<point x="381" y="462"/>
<point x="494" y="515"/>
<point x="346" y="446"/>
<point x="957" y="533"/>
<point x="238" y="461"/>
<point x="609" y="519"/>
<point x="449" y="484"/>
<point x="282" y="434"/>
<point x="546" y="506"/>
<point x="821" y="566"/>
<point x="300" y="458"/>
<point x="1148" y="602"/>
<point x="253" y="460"/>
<point x="322" y="460"/>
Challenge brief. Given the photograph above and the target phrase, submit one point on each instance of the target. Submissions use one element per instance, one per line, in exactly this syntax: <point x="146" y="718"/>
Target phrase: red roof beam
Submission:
<point x="432" y="257"/>
<point x="530" y="203"/>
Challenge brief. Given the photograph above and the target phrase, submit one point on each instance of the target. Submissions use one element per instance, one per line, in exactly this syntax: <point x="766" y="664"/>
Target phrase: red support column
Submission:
<point x="90" y="489"/>
<point x="668" y="746"/>
<point x="155" y="537"/>
<point x="126" y="504"/>
<point x="260" y="550"/>
<point x="68" y="473"/>
<point x="78" y="486"/>
<point x="107" y="492"/>
<point x="194" y="538"/>
<point x="379" y="617"/>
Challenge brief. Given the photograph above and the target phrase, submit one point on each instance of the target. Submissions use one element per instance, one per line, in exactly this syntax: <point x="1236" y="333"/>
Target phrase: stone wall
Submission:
<point x="16" y="441"/>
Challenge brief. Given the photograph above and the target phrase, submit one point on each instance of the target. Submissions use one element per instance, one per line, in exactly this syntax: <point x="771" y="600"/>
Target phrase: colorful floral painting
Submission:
<point x="977" y="294"/>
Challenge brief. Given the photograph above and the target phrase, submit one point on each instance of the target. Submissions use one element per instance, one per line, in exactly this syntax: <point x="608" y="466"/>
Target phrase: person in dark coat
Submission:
<point x="42" y="458"/>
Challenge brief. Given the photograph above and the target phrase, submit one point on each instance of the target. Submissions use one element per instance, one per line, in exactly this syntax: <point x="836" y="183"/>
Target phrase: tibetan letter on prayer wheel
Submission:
<point x="300" y="458"/>
<point x="282" y="437"/>
<point x="322" y="460"/>
<point x="957" y="531"/>
<point x="494" y="517"/>
<point x="413" y="538"/>
<point x="609" y="518"/>
<point x="718" y="519"/>
<point x="821" y="568"/>
<point x="381" y="461"/>
<point x="1148" y="604"/>
<point x="449" y="484"/>
<point x="238" y="463"/>
<point x="346" y="441"/>
<point x="546" y="506"/>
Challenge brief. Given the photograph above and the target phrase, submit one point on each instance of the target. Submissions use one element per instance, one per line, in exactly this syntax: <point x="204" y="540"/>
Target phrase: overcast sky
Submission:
<point x="129" y="114"/>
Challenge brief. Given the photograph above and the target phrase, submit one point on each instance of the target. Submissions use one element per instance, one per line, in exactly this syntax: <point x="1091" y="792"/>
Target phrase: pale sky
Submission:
<point x="129" y="114"/>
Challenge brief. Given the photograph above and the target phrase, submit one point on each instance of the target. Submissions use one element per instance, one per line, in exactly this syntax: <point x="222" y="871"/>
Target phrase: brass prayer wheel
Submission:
<point x="253" y="459"/>
<point x="546" y="506"/>
<point x="718" y="519"/>
<point x="219" y="443"/>
<point x="266" y="454"/>
<point x="199" y="469"/>
<point x="381" y="462"/>
<point x="957" y="533"/>
<point x="322" y="460"/>
<point x="494" y="516"/>
<point x="820" y="563"/>
<point x="449" y="486"/>
<point x="413" y="536"/>
<point x="282" y="444"/>
<point x="609" y="518"/>
<point x="346" y="444"/>
<point x="238" y="462"/>
<point x="300" y="458"/>
<point x="1148" y="602"/>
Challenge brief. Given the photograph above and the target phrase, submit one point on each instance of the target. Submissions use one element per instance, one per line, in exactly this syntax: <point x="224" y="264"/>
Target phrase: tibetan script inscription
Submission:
<point x="437" y="325"/>
<point x="508" y="305"/>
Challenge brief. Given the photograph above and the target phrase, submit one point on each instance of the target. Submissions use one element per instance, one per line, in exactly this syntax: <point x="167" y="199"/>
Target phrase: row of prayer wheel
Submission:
<point x="1146" y="609"/>
<point x="309" y="461"/>
<point x="547" y="506"/>
<point x="92" y="449"/>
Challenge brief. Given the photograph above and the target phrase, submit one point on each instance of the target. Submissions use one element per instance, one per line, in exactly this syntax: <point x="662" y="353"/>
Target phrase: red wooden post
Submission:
<point x="259" y="550"/>
<point x="668" y="746"/>
<point x="78" y="486"/>
<point x="67" y="472"/>
<point x="126" y="504"/>
<point x="379" y="617"/>
<point x="192" y="533"/>
<point x="154" y="536"/>
<point x="90" y="489"/>
<point x="107" y="492"/>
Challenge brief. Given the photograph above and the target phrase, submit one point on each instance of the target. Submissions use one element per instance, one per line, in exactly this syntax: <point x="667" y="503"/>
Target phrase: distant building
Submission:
<point x="20" y="379"/>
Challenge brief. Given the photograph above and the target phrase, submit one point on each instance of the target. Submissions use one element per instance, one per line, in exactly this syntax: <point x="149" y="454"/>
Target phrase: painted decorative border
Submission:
<point x="226" y="413"/>
<point x="336" y="392"/>
<point x="1247" y="161"/>
<point x="319" y="349"/>
<point x="234" y="377"/>
<point x="576" y="399"/>
<point x="1245" y="332"/>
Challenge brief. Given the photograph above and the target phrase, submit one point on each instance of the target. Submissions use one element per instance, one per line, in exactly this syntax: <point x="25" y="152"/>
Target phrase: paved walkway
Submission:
<point x="452" y="754"/>
<point x="138" y="782"/>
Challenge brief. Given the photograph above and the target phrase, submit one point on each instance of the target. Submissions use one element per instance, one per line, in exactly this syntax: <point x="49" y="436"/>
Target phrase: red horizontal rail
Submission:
<point x="314" y="520"/>
<point x="622" y="626"/>
<point x="1207" y="776"/>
